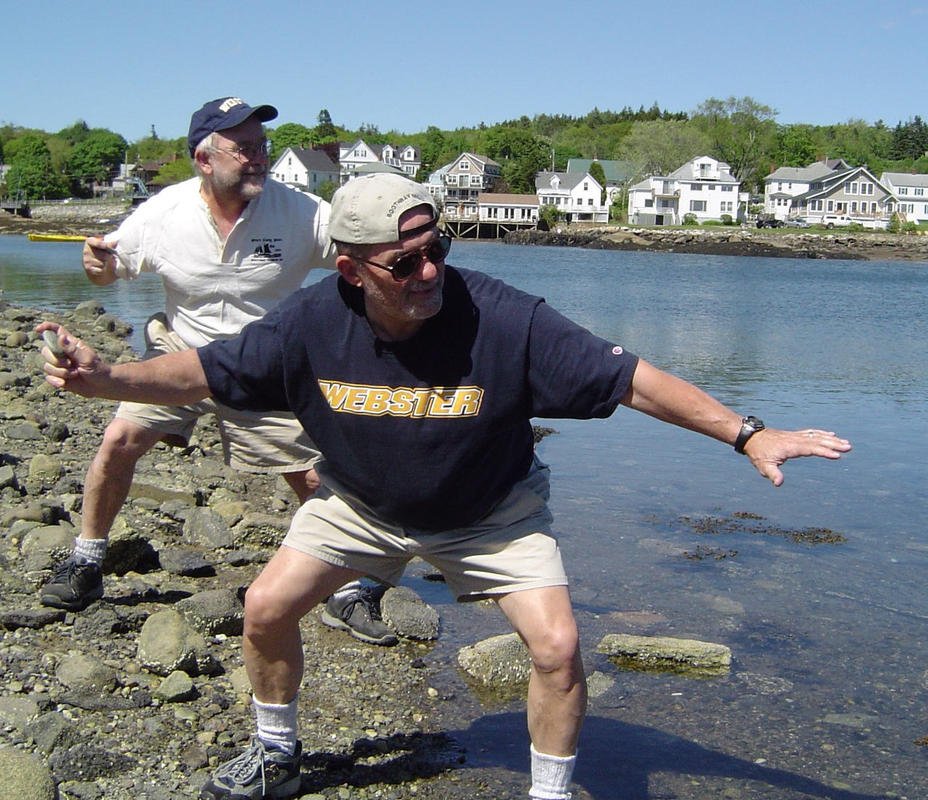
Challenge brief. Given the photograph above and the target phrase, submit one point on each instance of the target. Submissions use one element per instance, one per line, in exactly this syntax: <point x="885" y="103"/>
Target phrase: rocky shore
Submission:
<point x="734" y="241"/>
<point x="88" y="218"/>
<point x="140" y="695"/>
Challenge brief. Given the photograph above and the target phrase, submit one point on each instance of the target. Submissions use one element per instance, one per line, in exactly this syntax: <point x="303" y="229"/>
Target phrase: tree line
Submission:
<point x="739" y="131"/>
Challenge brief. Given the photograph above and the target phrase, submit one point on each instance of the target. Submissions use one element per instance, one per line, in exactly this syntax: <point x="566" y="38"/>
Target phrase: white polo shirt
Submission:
<point x="214" y="288"/>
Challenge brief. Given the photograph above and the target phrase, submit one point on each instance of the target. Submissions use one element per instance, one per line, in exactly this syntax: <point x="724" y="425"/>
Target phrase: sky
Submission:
<point x="131" y="66"/>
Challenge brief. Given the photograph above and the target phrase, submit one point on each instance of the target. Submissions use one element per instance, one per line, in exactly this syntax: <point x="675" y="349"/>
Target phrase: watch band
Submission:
<point x="749" y="426"/>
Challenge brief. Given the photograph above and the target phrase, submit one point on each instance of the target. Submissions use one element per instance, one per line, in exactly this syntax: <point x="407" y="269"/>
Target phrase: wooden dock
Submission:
<point x="484" y="229"/>
<point x="18" y="207"/>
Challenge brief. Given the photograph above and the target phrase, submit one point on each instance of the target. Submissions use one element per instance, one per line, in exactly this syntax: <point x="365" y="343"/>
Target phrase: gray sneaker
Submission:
<point x="359" y="615"/>
<point x="256" y="774"/>
<point x="74" y="586"/>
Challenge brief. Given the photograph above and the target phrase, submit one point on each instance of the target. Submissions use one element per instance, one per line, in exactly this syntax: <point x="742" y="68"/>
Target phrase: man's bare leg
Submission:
<point x="557" y="688"/>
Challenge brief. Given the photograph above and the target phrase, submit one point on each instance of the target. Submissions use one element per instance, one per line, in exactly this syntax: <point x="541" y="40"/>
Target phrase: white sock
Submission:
<point x="551" y="776"/>
<point x="88" y="551"/>
<point x="276" y="724"/>
<point x="349" y="588"/>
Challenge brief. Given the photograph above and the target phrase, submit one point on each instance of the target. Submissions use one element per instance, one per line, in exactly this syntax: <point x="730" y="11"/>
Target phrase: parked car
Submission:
<point x="836" y="220"/>
<point x="796" y="222"/>
<point x="769" y="222"/>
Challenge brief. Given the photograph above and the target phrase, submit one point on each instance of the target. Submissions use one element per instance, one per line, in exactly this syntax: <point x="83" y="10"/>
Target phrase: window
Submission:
<point x="589" y="202"/>
<point x="697" y="205"/>
<point x="728" y="188"/>
<point x="696" y="187"/>
<point x="711" y="187"/>
<point x="464" y="165"/>
<point x="649" y="203"/>
<point x="830" y="205"/>
<point x="903" y="190"/>
<point x="919" y="192"/>
<point x="854" y="207"/>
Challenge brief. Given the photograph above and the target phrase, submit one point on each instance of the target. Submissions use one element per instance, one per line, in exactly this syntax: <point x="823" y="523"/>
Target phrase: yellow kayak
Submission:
<point x="55" y="237"/>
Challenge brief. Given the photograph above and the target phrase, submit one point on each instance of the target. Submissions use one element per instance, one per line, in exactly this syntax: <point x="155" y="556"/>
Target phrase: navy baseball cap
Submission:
<point x="222" y="114"/>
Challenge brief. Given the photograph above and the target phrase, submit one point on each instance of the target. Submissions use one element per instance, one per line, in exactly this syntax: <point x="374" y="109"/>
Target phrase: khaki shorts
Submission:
<point x="251" y="441"/>
<point x="511" y="549"/>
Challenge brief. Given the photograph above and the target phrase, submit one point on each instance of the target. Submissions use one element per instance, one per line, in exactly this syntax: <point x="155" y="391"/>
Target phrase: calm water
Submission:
<point x="826" y="695"/>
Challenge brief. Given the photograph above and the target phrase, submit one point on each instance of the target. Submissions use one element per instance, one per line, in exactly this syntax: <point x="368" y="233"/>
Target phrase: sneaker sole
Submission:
<point x="54" y="601"/>
<point x="282" y="792"/>
<point x="341" y="625"/>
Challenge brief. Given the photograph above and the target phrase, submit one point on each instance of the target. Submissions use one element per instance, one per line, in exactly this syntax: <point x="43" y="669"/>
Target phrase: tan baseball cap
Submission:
<point x="367" y="209"/>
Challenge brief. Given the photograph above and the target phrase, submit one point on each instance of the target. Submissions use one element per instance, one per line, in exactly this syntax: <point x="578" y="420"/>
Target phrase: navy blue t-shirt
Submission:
<point x="433" y="431"/>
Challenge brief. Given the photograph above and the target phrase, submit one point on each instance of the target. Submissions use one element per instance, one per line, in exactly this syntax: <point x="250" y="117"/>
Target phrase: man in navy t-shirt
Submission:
<point x="418" y="382"/>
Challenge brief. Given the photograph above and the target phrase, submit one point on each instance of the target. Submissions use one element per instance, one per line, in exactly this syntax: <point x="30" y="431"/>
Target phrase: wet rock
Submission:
<point x="663" y="651"/>
<point x="408" y="615"/>
<point x="498" y="660"/>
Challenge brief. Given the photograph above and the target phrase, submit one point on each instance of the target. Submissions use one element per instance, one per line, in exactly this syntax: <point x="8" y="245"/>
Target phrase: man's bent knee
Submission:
<point x="125" y="441"/>
<point x="557" y="650"/>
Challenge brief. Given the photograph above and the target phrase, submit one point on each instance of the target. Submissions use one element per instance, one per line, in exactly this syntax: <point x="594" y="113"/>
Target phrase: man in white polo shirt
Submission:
<point x="228" y="245"/>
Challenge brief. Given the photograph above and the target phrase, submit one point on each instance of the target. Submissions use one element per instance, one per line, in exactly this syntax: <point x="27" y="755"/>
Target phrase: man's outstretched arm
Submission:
<point x="671" y="399"/>
<point x="173" y="379"/>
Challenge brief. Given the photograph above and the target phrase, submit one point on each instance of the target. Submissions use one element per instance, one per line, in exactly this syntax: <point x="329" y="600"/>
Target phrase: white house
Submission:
<point x="360" y="154"/>
<point x="911" y="191"/>
<point x="464" y="179"/>
<point x="503" y="208"/>
<point x="618" y="174"/>
<point x="305" y="169"/>
<point x="854" y="194"/>
<point x="703" y="187"/>
<point x="576" y="195"/>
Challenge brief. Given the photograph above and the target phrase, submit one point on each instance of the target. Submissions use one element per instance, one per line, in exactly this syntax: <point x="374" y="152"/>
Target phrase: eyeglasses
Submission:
<point x="250" y="151"/>
<point x="435" y="251"/>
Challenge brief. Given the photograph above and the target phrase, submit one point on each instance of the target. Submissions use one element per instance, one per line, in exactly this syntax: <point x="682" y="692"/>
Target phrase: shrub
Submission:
<point x="727" y="220"/>
<point x="895" y="224"/>
<point x="690" y="219"/>
<point x="910" y="227"/>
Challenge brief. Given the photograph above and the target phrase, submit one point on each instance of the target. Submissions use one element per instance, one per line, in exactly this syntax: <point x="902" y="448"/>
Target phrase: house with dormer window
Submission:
<point x="703" y="187"/>
<point x="357" y="158"/>
<point x="464" y="179"/>
<point x="576" y="195"/>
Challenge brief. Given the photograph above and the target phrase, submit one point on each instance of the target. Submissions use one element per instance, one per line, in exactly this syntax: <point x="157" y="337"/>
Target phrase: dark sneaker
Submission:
<point x="74" y="586"/>
<point x="256" y="774"/>
<point x="359" y="615"/>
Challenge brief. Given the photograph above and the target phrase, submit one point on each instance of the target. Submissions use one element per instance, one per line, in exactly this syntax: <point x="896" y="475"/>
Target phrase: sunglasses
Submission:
<point x="435" y="251"/>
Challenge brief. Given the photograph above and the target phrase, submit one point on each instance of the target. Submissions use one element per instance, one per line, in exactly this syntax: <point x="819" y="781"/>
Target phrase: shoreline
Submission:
<point x="716" y="240"/>
<point x="734" y="241"/>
